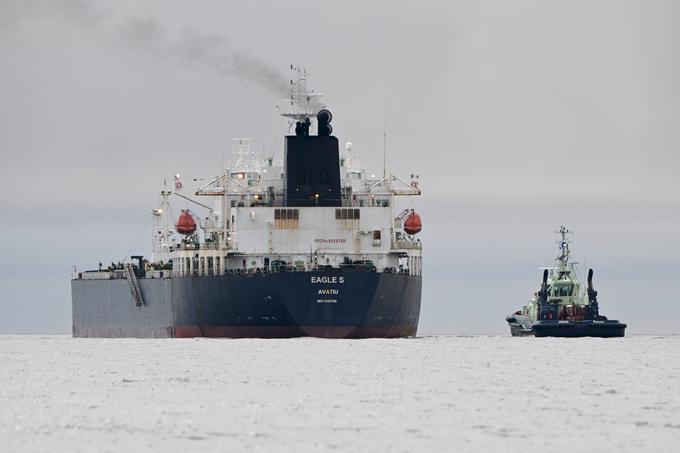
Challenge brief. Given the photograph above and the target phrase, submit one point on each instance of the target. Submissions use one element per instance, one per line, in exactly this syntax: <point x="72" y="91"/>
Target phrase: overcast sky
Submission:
<point x="518" y="116"/>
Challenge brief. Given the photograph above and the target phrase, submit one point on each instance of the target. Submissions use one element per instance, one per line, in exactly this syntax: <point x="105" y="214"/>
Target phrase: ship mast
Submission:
<point x="563" y="258"/>
<point x="163" y="234"/>
<point x="301" y="103"/>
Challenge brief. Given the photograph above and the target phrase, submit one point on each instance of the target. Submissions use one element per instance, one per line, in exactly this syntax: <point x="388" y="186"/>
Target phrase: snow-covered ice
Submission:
<point x="477" y="393"/>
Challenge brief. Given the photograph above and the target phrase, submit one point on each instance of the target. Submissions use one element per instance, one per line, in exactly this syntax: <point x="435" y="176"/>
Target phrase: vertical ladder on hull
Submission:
<point x="134" y="285"/>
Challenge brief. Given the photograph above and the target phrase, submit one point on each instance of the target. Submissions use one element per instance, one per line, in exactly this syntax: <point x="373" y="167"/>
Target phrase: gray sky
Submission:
<point x="518" y="116"/>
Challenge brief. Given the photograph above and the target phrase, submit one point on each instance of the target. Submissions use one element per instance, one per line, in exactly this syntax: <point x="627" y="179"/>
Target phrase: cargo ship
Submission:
<point x="562" y="307"/>
<point x="310" y="246"/>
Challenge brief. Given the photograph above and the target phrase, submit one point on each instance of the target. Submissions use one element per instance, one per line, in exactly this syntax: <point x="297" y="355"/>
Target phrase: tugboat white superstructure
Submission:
<point x="562" y="308"/>
<point x="307" y="246"/>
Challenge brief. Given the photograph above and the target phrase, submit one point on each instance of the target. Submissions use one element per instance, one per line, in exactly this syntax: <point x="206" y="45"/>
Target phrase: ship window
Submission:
<point x="347" y="214"/>
<point x="286" y="214"/>
<point x="376" y="235"/>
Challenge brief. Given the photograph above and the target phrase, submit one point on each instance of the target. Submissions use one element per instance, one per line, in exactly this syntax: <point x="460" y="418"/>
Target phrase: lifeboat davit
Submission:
<point x="413" y="224"/>
<point x="186" y="223"/>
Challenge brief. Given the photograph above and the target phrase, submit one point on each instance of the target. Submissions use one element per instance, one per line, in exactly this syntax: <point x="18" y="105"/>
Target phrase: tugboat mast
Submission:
<point x="564" y="248"/>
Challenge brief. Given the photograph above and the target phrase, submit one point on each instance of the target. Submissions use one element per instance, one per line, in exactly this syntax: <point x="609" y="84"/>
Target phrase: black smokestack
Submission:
<point x="312" y="165"/>
<point x="324" y="118"/>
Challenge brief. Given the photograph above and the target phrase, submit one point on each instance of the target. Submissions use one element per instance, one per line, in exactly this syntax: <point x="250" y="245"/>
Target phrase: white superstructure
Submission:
<point x="246" y="227"/>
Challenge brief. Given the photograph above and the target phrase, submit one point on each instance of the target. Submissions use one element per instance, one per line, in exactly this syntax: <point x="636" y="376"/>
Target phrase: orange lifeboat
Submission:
<point x="413" y="224"/>
<point x="186" y="223"/>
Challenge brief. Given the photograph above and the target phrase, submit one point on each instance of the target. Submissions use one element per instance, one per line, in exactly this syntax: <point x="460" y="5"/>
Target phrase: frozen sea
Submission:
<point x="440" y="393"/>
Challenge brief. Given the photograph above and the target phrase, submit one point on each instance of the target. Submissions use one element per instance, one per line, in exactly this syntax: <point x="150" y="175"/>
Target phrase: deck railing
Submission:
<point x="118" y="274"/>
<point x="413" y="245"/>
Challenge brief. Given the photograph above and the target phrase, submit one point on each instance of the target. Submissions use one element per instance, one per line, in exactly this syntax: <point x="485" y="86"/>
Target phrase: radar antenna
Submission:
<point x="301" y="103"/>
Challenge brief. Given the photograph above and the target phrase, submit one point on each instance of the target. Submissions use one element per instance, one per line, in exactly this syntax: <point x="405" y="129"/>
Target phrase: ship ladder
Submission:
<point x="134" y="285"/>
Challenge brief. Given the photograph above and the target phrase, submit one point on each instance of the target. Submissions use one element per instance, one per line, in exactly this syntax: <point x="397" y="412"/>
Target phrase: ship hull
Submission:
<point x="575" y="329"/>
<point x="345" y="304"/>
<point x="520" y="325"/>
<point x="520" y="331"/>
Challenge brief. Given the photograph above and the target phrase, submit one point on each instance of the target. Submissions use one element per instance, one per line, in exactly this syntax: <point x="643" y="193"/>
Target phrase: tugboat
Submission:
<point x="561" y="308"/>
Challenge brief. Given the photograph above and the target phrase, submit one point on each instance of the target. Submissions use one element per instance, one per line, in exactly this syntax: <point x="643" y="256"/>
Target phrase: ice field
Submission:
<point x="448" y="393"/>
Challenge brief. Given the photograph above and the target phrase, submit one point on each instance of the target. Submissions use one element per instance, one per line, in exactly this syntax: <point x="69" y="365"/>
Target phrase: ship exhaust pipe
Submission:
<point x="592" y="294"/>
<point x="594" y="309"/>
<point x="544" y="311"/>
<point x="544" y="287"/>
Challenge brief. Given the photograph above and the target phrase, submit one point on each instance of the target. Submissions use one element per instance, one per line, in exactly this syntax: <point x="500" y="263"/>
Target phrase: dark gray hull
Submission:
<point x="577" y="329"/>
<point x="521" y="326"/>
<point x="350" y="304"/>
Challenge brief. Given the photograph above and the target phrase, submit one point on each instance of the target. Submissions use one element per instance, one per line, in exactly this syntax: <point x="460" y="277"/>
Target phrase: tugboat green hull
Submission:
<point x="575" y="329"/>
